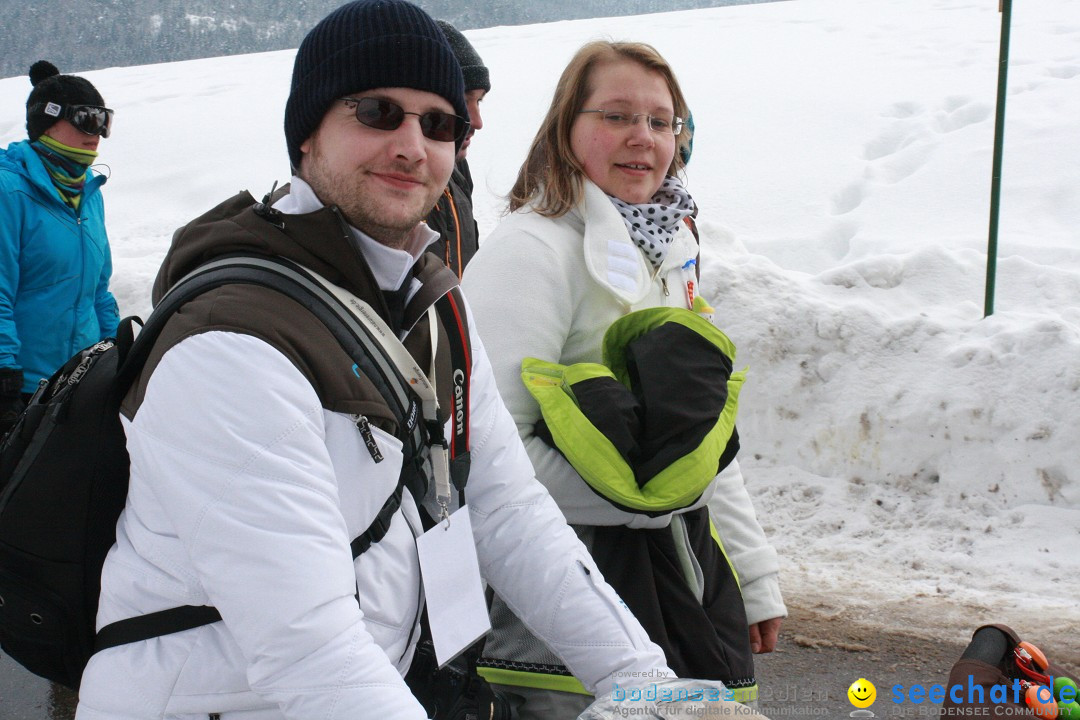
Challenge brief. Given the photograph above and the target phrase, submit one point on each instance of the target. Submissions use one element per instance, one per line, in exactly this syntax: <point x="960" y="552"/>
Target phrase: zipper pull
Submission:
<point x="364" y="427"/>
<point x="663" y="283"/>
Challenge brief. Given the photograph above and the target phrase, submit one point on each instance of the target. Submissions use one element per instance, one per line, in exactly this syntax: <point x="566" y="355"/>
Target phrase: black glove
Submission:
<point x="11" y="401"/>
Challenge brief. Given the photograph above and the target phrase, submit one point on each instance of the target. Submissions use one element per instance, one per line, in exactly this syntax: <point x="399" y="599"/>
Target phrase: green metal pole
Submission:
<point x="1005" y="8"/>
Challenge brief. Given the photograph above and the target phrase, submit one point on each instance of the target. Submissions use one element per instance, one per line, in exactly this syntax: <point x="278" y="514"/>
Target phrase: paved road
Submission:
<point x="27" y="697"/>
<point x="819" y="657"/>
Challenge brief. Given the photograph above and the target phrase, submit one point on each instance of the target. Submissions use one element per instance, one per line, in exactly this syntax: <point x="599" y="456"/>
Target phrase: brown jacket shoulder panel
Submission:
<point x="320" y="241"/>
<point x="287" y="326"/>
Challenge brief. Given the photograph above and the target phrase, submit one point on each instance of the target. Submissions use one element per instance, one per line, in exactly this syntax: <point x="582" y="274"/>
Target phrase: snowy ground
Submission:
<point x="917" y="466"/>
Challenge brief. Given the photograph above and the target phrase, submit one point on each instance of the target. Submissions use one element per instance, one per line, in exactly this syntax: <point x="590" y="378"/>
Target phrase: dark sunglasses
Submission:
<point x="386" y="115"/>
<point x="90" y="119"/>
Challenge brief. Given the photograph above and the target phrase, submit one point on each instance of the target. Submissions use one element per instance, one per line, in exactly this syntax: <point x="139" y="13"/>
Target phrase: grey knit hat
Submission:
<point x="364" y="45"/>
<point x="52" y="94"/>
<point x="472" y="67"/>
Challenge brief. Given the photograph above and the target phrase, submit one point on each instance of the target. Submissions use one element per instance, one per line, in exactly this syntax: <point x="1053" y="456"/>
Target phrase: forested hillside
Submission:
<point x="92" y="34"/>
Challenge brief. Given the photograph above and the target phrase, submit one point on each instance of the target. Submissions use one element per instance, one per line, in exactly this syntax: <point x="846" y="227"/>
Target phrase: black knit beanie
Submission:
<point x="364" y="45"/>
<point x="472" y="67"/>
<point x="53" y="93"/>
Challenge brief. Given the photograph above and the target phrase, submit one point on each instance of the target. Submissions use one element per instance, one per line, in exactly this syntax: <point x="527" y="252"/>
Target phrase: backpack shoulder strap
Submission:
<point x="355" y="336"/>
<point x="156" y="624"/>
<point x="449" y="457"/>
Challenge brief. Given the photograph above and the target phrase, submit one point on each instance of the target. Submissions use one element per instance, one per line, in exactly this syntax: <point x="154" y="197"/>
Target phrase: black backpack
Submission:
<point x="64" y="471"/>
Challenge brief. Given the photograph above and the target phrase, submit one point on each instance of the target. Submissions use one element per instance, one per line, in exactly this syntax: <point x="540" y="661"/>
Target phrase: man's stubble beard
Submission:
<point x="362" y="206"/>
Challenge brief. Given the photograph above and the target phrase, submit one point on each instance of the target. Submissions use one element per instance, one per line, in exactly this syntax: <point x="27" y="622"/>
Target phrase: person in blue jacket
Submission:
<point x="55" y="262"/>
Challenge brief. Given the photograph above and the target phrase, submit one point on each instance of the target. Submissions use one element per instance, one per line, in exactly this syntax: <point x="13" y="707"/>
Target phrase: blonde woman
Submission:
<point x="600" y="226"/>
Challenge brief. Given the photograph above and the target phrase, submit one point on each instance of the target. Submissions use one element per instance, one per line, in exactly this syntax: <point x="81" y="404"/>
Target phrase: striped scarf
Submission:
<point x="67" y="167"/>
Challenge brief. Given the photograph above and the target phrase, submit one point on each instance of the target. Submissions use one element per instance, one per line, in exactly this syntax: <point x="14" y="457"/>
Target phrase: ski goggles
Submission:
<point x="90" y="119"/>
<point x="386" y="115"/>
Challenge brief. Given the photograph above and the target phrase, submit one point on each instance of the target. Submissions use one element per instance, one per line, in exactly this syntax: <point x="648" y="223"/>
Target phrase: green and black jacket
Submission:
<point x="648" y="430"/>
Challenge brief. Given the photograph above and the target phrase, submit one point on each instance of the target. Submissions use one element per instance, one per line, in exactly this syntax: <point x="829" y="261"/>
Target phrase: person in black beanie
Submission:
<point x="270" y="481"/>
<point x="55" y="262"/>
<point x="474" y="73"/>
<point x="453" y="217"/>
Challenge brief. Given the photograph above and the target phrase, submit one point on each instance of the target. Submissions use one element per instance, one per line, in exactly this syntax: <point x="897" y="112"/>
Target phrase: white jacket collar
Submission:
<point x="611" y="256"/>
<point x="390" y="266"/>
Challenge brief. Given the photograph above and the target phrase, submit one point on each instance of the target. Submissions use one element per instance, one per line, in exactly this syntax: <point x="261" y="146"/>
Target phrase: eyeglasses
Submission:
<point x="617" y="118"/>
<point x="90" y="119"/>
<point x="386" y="115"/>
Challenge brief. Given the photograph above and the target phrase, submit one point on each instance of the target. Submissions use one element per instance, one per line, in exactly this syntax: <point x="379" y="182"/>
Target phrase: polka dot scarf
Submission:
<point x="652" y="225"/>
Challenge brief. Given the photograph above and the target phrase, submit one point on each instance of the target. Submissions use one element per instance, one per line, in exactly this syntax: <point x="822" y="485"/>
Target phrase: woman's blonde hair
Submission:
<point x="550" y="177"/>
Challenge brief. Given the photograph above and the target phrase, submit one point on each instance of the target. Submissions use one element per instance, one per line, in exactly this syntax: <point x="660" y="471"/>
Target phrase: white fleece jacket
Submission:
<point x="549" y="288"/>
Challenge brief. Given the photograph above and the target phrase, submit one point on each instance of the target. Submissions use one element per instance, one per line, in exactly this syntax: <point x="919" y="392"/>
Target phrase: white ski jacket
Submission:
<point x="549" y="288"/>
<point x="245" y="494"/>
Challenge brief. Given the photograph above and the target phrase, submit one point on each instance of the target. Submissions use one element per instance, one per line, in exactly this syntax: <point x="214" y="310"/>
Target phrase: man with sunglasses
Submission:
<point x="259" y="451"/>
<point x="55" y="262"/>
<point x="452" y="217"/>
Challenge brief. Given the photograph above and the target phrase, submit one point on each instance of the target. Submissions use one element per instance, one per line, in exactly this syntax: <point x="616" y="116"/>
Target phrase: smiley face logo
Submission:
<point x="862" y="693"/>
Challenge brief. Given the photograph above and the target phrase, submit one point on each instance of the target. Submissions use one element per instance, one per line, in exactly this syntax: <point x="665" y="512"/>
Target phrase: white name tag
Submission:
<point x="456" y="609"/>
